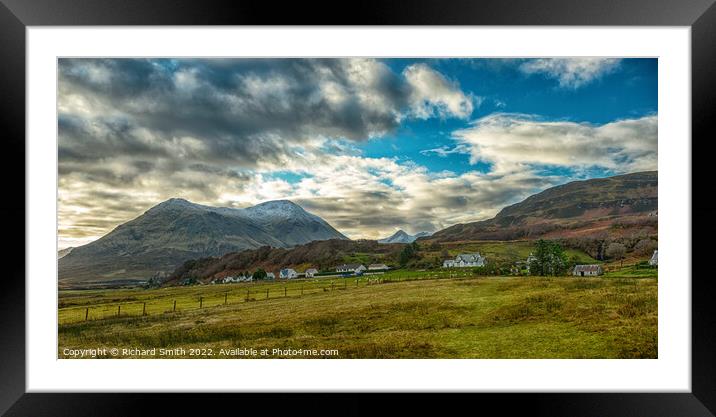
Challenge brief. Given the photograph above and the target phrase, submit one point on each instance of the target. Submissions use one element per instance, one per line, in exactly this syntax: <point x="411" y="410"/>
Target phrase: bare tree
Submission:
<point x="616" y="251"/>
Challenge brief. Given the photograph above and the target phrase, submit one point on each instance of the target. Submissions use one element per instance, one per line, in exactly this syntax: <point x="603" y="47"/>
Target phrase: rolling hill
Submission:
<point x="323" y="255"/>
<point x="609" y="206"/>
<point x="177" y="230"/>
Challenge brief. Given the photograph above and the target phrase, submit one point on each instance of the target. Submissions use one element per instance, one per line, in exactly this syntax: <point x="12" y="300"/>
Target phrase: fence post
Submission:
<point x="345" y="284"/>
<point x="86" y="313"/>
<point x="226" y="297"/>
<point x="284" y="291"/>
<point x="267" y="290"/>
<point x="356" y="282"/>
<point x="119" y="310"/>
<point x="175" y="305"/>
<point x="201" y="302"/>
<point x="247" y="295"/>
<point x="144" y="309"/>
<point x="332" y="285"/>
<point x="301" y="289"/>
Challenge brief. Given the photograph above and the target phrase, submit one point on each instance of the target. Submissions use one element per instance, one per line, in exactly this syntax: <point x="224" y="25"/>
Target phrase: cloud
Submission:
<point x="209" y="129"/>
<point x="432" y="94"/>
<point x="444" y="151"/>
<point x="515" y="142"/>
<point x="571" y="73"/>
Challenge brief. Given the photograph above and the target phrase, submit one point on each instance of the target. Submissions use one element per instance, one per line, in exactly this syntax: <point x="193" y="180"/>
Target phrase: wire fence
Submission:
<point x="85" y="310"/>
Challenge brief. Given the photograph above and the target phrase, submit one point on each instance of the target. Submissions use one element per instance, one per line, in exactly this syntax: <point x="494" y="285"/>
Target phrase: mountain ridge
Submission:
<point x="176" y="230"/>
<point x="578" y="208"/>
<point x="403" y="237"/>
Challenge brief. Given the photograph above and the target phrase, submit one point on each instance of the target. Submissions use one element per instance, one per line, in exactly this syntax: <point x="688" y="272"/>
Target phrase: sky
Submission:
<point x="370" y="145"/>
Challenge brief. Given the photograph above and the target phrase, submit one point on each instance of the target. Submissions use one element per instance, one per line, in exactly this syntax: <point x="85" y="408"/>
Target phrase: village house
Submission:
<point x="270" y="275"/>
<point x="288" y="273"/>
<point x="654" y="259"/>
<point x="587" y="270"/>
<point x="311" y="272"/>
<point x="350" y="268"/>
<point x="229" y="279"/>
<point x="465" y="260"/>
<point x="378" y="267"/>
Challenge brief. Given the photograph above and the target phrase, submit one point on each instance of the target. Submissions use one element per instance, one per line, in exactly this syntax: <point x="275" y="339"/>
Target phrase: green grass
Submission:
<point x="401" y="318"/>
<point x="505" y="251"/>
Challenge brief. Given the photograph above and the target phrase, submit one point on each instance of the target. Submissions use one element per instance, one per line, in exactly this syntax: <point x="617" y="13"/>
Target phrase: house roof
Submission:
<point x="587" y="268"/>
<point x="377" y="265"/>
<point x="468" y="257"/>
<point x="311" y="270"/>
<point x="348" y="266"/>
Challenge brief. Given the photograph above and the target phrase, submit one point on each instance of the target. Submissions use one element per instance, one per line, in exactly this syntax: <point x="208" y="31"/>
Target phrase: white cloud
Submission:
<point x="515" y="142"/>
<point x="433" y="94"/>
<point x="571" y="72"/>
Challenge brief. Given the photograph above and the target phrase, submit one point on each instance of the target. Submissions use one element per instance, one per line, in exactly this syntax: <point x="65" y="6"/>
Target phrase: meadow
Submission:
<point x="401" y="314"/>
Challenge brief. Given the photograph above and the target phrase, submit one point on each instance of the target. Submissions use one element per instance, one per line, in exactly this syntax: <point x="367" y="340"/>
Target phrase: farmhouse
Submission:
<point x="465" y="260"/>
<point x="377" y="267"/>
<point x="270" y="275"/>
<point x="354" y="268"/>
<point x="654" y="259"/>
<point x="231" y="279"/>
<point x="288" y="273"/>
<point x="587" y="270"/>
<point x="310" y="272"/>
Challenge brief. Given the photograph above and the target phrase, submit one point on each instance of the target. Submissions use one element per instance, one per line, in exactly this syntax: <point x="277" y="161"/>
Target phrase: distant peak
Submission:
<point x="177" y="202"/>
<point x="278" y="203"/>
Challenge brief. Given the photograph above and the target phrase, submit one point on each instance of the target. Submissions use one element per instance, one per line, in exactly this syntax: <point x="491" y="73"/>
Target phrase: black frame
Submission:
<point x="15" y="15"/>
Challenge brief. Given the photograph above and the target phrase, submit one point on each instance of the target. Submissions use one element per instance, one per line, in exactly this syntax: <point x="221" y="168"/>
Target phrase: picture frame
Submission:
<point x="16" y="15"/>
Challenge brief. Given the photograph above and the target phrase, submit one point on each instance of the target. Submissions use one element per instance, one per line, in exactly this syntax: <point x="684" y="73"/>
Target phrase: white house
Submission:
<point x="465" y="260"/>
<point x="270" y="275"/>
<point x="587" y="270"/>
<point x="310" y="272"/>
<point x="288" y="273"/>
<point x="231" y="279"/>
<point x="654" y="259"/>
<point x="378" y="267"/>
<point x="352" y="268"/>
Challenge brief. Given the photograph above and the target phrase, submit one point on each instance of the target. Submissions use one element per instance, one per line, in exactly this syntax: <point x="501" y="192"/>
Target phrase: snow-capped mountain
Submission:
<point x="177" y="230"/>
<point x="401" y="237"/>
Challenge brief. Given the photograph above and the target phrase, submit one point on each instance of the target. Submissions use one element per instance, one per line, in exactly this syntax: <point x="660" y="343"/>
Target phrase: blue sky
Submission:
<point x="629" y="92"/>
<point x="370" y="145"/>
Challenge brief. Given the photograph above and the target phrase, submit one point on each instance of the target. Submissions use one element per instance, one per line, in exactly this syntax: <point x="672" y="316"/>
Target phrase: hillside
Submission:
<point x="613" y="206"/>
<point x="322" y="255"/>
<point x="177" y="230"/>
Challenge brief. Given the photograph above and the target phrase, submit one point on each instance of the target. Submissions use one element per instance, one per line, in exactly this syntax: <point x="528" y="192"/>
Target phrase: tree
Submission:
<point x="616" y="251"/>
<point x="645" y="247"/>
<point x="406" y="254"/>
<point x="260" y="274"/>
<point x="548" y="259"/>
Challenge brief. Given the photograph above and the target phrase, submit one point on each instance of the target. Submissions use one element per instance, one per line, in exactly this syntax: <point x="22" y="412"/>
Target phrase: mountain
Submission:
<point x="401" y="237"/>
<point x="177" y="230"/>
<point x="612" y="206"/>
<point x="323" y="255"/>
<point x="64" y="252"/>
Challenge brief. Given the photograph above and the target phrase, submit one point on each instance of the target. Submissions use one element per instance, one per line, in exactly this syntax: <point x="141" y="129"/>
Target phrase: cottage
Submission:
<point x="311" y="272"/>
<point x="654" y="259"/>
<point x="350" y="268"/>
<point x="378" y="267"/>
<point x="288" y="273"/>
<point x="465" y="260"/>
<point x="587" y="270"/>
<point x="229" y="279"/>
<point x="270" y="275"/>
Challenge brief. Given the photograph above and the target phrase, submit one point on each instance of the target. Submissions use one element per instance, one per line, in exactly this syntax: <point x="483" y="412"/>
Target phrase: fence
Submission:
<point x="193" y="300"/>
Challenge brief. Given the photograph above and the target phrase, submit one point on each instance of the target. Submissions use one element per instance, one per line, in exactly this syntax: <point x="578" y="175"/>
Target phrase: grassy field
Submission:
<point x="402" y="317"/>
